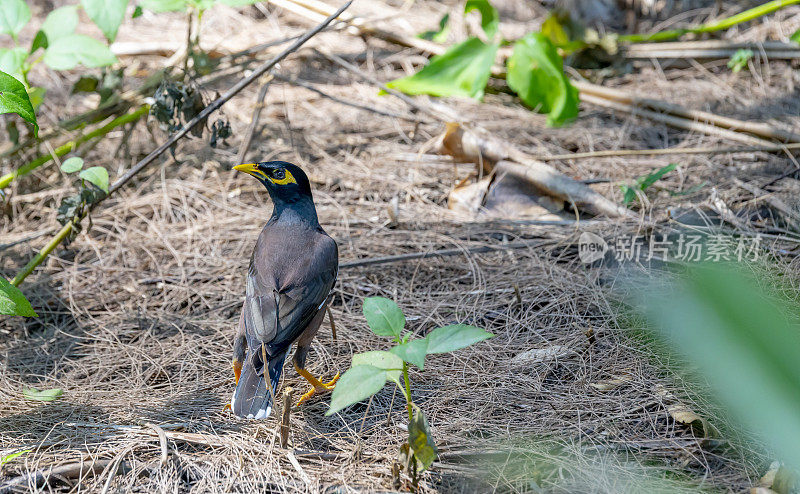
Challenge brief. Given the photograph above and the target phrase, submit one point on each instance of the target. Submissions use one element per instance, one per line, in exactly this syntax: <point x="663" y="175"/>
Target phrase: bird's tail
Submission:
<point x="252" y="398"/>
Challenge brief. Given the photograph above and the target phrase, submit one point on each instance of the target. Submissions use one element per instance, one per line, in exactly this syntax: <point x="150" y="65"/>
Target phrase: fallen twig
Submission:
<point x="48" y="475"/>
<point x="200" y="117"/>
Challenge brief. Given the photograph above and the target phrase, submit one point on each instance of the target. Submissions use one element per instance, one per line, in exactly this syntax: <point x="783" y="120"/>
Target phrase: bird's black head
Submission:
<point x="283" y="180"/>
<point x="287" y="184"/>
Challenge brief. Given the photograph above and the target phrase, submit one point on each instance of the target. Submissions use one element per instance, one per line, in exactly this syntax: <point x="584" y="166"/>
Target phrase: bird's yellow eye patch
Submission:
<point x="287" y="179"/>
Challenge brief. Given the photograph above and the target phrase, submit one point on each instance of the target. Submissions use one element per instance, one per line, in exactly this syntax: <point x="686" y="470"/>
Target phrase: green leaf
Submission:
<point x="389" y="362"/>
<point x="454" y="337"/>
<point x="413" y="352"/>
<point x="536" y="74"/>
<point x="5" y="459"/>
<point x="629" y="194"/>
<point x="795" y="36"/>
<point x="13" y="302"/>
<point x="68" y="52"/>
<point x="71" y="165"/>
<point x="14" y="99"/>
<point x="744" y="339"/>
<point x="490" y="19"/>
<point x="12" y="62"/>
<point x="439" y="36"/>
<point x="39" y="41"/>
<point x="14" y="14"/>
<point x="554" y="30"/>
<point x="36" y="95"/>
<point x="384" y="316"/>
<point x="44" y="395"/>
<point x="163" y="5"/>
<point x="59" y="23"/>
<point x="137" y="12"/>
<point x="357" y="384"/>
<point x="654" y="177"/>
<point x="96" y="175"/>
<point x="107" y="14"/>
<point x="420" y="439"/>
<point x="201" y="4"/>
<point x="739" y="59"/>
<point x="463" y="71"/>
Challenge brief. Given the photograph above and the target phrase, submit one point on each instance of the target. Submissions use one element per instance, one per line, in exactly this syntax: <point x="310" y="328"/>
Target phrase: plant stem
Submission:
<point x="72" y="145"/>
<point x="408" y="391"/>
<point x="747" y="15"/>
<point x="42" y="255"/>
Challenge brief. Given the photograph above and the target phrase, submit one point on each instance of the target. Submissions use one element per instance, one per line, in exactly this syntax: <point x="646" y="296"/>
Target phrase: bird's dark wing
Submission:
<point x="279" y="305"/>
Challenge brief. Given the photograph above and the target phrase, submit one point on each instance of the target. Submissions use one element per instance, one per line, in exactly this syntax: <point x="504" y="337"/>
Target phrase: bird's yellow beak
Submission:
<point x="248" y="168"/>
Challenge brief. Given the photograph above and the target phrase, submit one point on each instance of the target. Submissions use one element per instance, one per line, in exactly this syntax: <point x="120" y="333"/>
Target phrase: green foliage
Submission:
<point x="7" y="458"/>
<point x="490" y="19"/>
<point x="462" y="71"/>
<point x="643" y="183"/>
<point x="739" y="59"/>
<point x="59" y="23"/>
<point x="14" y="14"/>
<point x="107" y="14"/>
<point x="14" y="99"/>
<point x="439" y="36"/>
<point x="72" y="50"/>
<point x="98" y="176"/>
<point x="384" y="316"/>
<point x="12" y="62"/>
<point x="13" y="302"/>
<point x="163" y="5"/>
<point x="370" y="371"/>
<point x="535" y="70"/>
<point x="536" y="74"/>
<point x="71" y="165"/>
<point x="44" y="395"/>
<point x="795" y="36"/>
<point x="745" y="340"/>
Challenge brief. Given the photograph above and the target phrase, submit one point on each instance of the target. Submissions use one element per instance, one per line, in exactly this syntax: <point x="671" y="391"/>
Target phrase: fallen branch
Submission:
<point x="200" y="117"/>
<point x="46" y="476"/>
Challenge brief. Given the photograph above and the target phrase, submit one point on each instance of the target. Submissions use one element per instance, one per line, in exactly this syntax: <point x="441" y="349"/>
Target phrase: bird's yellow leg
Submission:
<point x="317" y="386"/>
<point x="237" y="373"/>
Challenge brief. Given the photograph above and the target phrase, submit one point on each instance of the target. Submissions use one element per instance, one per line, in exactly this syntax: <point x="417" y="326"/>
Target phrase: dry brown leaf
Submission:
<point x="611" y="384"/>
<point x="539" y="355"/>
<point x="680" y="412"/>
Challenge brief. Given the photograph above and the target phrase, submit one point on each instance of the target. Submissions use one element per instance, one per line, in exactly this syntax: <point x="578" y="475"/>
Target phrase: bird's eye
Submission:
<point x="278" y="174"/>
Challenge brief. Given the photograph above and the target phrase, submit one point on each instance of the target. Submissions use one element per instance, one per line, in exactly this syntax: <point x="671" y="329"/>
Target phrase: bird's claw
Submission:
<point x="324" y="388"/>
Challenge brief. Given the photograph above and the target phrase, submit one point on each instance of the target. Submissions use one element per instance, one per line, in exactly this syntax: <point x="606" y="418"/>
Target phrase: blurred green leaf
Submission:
<point x="14" y="99"/>
<point x="71" y="165"/>
<point x="744" y="339"/>
<point x="387" y="361"/>
<point x="536" y="74"/>
<point x="413" y="352"/>
<point x="739" y="59"/>
<point x="163" y="5"/>
<point x="454" y="337"/>
<point x="439" y="36"/>
<point x="36" y="95"/>
<point x="201" y="4"/>
<point x="137" y="12"/>
<point x="44" y="395"/>
<point x="13" y="302"/>
<point x="384" y="316"/>
<point x="795" y="36"/>
<point x="5" y="459"/>
<point x="39" y="41"/>
<point x="96" y="175"/>
<point x="72" y="50"/>
<point x="14" y="14"/>
<point x="59" y="23"/>
<point x="12" y="62"/>
<point x="357" y="384"/>
<point x="463" y="70"/>
<point x="106" y="14"/>
<point x="490" y="19"/>
<point x="554" y="30"/>
<point x="420" y="439"/>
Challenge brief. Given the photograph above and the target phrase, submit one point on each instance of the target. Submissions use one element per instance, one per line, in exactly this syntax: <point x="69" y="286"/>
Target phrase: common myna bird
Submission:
<point x="289" y="285"/>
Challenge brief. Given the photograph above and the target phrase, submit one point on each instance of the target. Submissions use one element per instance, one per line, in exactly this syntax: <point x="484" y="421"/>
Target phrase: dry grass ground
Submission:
<point x="138" y="314"/>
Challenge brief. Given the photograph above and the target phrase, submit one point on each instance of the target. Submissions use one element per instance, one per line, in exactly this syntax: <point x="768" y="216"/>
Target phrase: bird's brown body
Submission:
<point x="292" y="271"/>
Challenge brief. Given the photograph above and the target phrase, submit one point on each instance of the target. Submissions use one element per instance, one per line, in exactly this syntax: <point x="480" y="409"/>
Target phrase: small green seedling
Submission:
<point x="93" y="187"/>
<point x="43" y="395"/>
<point x="643" y="183"/>
<point x="739" y="59"/>
<point x="5" y="459"/>
<point x="370" y="371"/>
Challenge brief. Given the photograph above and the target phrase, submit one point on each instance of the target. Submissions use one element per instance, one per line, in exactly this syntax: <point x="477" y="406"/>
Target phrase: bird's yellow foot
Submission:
<point x="317" y="387"/>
